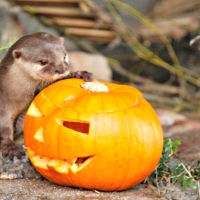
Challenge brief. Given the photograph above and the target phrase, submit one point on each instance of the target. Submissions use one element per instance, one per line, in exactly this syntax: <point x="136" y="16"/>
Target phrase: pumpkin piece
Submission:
<point x="104" y="140"/>
<point x="95" y="87"/>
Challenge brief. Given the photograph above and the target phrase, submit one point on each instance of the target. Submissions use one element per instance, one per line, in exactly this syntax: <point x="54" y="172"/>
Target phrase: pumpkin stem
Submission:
<point x="95" y="86"/>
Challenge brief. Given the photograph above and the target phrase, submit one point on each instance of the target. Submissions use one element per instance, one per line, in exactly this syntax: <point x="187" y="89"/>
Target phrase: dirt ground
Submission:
<point x="23" y="189"/>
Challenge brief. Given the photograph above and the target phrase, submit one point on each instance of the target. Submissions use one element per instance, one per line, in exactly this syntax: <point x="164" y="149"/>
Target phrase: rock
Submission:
<point x="168" y="118"/>
<point x="95" y="63"/>
<point x="17" y="168"/>
<point x="14" y="169"/>
<point x="178" y="127"/>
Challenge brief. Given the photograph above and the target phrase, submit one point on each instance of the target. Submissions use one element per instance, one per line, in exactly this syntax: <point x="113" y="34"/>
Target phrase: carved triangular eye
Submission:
<point x="81" y="127"/>
<point x="34" y="111"/>
<point x="39" y="135"/>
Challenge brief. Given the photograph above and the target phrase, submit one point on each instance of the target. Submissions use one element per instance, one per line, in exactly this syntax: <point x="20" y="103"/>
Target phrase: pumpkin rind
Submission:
<point x="118" y="144"/>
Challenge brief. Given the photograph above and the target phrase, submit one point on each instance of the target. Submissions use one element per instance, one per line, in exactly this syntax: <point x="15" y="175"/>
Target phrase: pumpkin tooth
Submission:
<point x="35" y="159"/>
<point x="63" y="168"/>
<point x="43" y="163"/>
<point x="58" y="165"/>
<point x="40" y="162"/>
<point x="34" y="111"/>
<point x="74" y="168"/>
<point x="53" y="164"/>
<point x="39" y="135"/>
<point x="30" y="152"/>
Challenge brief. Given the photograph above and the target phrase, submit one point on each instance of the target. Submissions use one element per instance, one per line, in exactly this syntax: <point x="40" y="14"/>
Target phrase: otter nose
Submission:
<point x="60" y="69"/>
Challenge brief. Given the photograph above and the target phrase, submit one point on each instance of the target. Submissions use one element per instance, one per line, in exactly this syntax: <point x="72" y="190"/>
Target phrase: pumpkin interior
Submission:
<point x="77" y="126"/>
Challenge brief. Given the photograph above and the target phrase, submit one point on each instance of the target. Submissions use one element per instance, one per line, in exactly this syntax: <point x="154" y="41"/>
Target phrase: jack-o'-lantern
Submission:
<point x="104" y="139"/>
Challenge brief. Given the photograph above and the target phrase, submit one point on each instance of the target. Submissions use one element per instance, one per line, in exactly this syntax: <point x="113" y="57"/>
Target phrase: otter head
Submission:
<point x="41" y="56"/>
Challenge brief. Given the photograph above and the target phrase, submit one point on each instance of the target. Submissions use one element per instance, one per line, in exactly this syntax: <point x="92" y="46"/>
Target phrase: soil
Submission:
<point x="24" y="189"/>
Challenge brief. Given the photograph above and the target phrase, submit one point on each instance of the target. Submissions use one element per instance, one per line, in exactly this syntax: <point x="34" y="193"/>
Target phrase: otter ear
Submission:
<point x="16" y="53"/>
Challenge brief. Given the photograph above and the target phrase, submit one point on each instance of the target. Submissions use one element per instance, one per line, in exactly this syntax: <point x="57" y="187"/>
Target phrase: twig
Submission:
<point x="138" y="15"/>
<point x="115" y="65"/>
<point x="166" y="9"/>
<point x="189" y="174"/>
<point x="4" y="48"/>
<point x="90" y="32"/>
<point x="162" y="100"/>
<point x="47" y="1"/>
<point x="157" y="185"/>
<point x="148" y="55"/>
<point x="62" y="21"/>
<point x="198" y="191"/>
<point x="100" y="13"/>
<point x="72" y="12"/>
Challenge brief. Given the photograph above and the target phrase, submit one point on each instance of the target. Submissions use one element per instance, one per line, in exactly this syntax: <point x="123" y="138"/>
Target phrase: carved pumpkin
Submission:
<point x="109" y="140"/>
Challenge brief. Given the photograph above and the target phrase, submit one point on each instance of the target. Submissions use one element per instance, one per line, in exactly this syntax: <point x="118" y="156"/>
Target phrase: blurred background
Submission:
<point x="143" y="43"/>
<point x="148" y="44"/>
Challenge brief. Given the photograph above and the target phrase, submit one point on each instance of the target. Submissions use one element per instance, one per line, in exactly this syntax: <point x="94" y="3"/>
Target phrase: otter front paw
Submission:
<point x="86" y="76"/>
<point x="12" y="150"/>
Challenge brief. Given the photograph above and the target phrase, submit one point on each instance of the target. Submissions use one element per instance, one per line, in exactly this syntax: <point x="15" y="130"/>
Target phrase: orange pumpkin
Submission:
<point x="109" y="140"/>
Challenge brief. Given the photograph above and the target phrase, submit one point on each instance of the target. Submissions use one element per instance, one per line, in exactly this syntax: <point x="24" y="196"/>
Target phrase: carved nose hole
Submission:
<point x="81" y="127"/>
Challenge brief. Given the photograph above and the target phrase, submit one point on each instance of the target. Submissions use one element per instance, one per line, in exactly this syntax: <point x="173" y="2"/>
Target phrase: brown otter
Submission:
<point x="32" y="63"/>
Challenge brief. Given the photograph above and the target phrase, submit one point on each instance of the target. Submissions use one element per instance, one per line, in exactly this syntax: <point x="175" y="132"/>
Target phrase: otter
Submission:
<point x="31" y="64"/>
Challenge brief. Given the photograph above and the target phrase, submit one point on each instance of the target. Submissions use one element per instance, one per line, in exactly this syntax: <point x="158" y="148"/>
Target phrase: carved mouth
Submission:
<point x="58" y="165"/>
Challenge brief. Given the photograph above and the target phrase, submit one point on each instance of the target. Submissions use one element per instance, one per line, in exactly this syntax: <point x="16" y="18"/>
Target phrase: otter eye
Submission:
<point x="43" y="62"/>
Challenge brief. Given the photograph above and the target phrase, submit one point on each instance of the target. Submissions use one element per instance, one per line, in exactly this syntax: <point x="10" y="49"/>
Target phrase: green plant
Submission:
<point x="175" y="171"/>
<point x="169" y="149"/>
<point x="181" y="175"/>
<point x="6" y="44"/>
